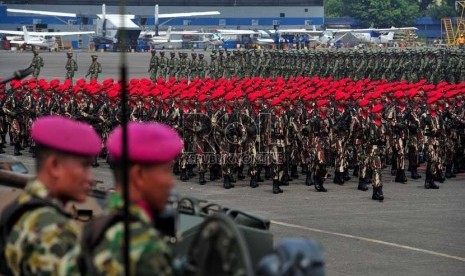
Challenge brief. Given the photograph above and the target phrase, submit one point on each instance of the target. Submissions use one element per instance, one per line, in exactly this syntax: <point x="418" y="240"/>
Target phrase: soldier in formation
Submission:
<point x="36" y="64"/>
<point x="71" y="66"/>
<point x="95" y="68"/>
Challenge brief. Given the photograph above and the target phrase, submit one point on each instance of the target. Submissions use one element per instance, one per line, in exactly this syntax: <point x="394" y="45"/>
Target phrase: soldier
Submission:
<point x="277" y="135"/>
<point x="214" y="68"/>
<point x="36" y="64"/>
<point x="36" y="230"/>
<point x="94" y="69"/>
<point x="153" y="66"/>
<point x="433" y="125"/>
<point x="162" y="66"/>
<point x="377" y="129"/>
<point x="173" y="65"/>
<point x="13" y="109"/>
<point x="183" y="66"/>
<point x="71" y="66"/>
<point x="193" y="64"/>
<point x="150" y="183"/>
<point x="202" y="66"/>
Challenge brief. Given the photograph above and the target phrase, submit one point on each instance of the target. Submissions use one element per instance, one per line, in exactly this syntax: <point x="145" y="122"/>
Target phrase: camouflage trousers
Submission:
<point x="205" y="153"/>
<point x="277" y="162"/>
<point x="399" y="149"/>
<point x="374" y="163"/>
<point x="186" y="154"/>
<point x="432" y="157"/>
<point x="15" y="131"/>
<point x="339" y="155"/>
<point x="320" y="156"/>
<point x="413" y="152"/>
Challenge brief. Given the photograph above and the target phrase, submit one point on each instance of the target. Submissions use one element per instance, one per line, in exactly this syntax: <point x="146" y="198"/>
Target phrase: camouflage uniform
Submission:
<point x="149" y="254"/>
<point x="94" y="69"/>
<point x="202" y="67"/>
<point x="40" y="237"/>
<point x="153" y="66"/>
<point x="71" y="67"/>
<point x="162" y="66"/>
<point x="173" y="65"/>
<point x="13" y="109"/>
<point x="36" y="64"/>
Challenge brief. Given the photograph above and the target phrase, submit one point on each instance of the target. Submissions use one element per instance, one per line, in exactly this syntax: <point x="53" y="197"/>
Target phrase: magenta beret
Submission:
<point x="147" y="143"/>
<point x="66" y="135"/>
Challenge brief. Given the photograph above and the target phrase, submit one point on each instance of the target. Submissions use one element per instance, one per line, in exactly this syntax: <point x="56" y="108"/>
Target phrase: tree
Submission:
<point x="445" y="9"/>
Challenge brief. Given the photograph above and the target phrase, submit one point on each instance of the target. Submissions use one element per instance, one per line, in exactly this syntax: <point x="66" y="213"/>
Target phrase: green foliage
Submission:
<point x="446" y="9"/>
<point x="380" y="13"/>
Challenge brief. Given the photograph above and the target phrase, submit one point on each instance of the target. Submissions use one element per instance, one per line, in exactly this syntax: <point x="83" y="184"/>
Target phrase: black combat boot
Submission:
<point x="362" y="185"/>
<point x="213" y="174"/>
<point x="259" y="178"/>
<point x="176" y="170"/>
<point x="1" y="150"/>
<point x="380" y="193"/>
<point x="309" y="179"/>
<point x="400" y="177"/>
<point x="184" y="176"/>
<point x="345" y="175"/>
<point x="375" y="195"/>
<point x="338" y="178"/>
<point x="231" y="180"/>
<point x="226" y="182"/>
<point x="439" y="176"/>
<point x="276" y="189"/>
<point x="253" y="181"/>
<point x="449" y="173"/>
<point x="17" y="150"/>
<point x="240" y="173"/>
<point x="356" y="169"/>
<point x="190" y="171"/>
<point x="267" y="173"/>
<point x="294" y="173"/>
<point x="304" y="169"/>
<point x="34" y="154"/>
<point x="202" y="180"/>
<point x="429" y="182"/>
<point x="415" y="174"/>
<point x="319" y="184"/>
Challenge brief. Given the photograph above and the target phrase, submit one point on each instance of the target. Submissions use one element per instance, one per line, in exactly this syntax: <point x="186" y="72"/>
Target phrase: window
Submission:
<point x="71" y="22"/>
<point x="305" y="10"/>
<point x="36" y="21"/>
<point x="276" y="23"/>
<point x="254" y="22"/>
<point x="308" y="22"/>
<point x="186" y="22"/>
<point x="282" y="14"/>
<point x="222" y="22"/>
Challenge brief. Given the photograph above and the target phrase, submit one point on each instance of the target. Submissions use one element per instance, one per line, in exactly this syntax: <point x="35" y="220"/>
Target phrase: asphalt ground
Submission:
<point x="413" y="232"/>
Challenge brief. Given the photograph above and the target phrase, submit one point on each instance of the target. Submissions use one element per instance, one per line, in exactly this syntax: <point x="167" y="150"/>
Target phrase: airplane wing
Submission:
<point x="236" y="32"/>
<point x="59" y="33"/>
<point x="187" y="14"/>
<point x="381" y="30"/>
<point x="64" y="14"/>
<point x="11" y="32"/>
<point x="297" y="31"/>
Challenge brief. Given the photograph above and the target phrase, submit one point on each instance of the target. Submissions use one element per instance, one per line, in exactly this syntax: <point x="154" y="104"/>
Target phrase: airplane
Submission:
<point x="108" y="25"/>
<point x="38" y="39"/>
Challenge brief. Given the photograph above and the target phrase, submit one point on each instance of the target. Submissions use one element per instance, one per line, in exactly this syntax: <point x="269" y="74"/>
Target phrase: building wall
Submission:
<point x="173" y="2"/>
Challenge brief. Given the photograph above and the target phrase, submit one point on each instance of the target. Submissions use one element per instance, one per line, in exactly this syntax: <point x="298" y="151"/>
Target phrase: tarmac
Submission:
<point x="413" y="232"/>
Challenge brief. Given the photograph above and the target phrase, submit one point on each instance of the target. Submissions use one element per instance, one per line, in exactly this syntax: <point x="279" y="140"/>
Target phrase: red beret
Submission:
<point x="148" y="143"/>
<point x="399" y="94"/>
<point x="377" y="108"/>
<point x="432" y="100"/>
<point x="322" y="102"/>
<point x="74" y="137"/>
<point x="339" y="96"/>
<point x="363" y="103"/>
<point x="276" y="101"/>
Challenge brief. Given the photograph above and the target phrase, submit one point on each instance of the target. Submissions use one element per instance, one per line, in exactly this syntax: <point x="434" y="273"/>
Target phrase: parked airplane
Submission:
<point x="108" y="25"/>
<point x="38" y="39"/>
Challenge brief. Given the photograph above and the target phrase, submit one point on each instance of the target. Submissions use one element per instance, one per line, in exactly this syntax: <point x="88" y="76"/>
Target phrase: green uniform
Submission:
<point x="94" y="69"/>
<point x="149" y="254"/>
<point x="36" y="64"/>
<point x="71" y="67"/>
<point x="41" y="237"/>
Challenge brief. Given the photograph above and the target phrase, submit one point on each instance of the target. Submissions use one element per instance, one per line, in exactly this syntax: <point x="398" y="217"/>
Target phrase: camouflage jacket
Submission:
<point x="40" y="237"/>
<point x="149" y="254"/>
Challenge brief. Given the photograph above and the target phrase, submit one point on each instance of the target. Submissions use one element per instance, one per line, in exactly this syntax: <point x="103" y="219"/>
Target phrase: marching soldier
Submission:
<point x="36" y="230"/>
<point x="162" y="66"/>
<point x="13" y="109"/>
<point x="153" y="66"/>
<point x="94" y="69"/>
<point x="36" y="64"/>
<point x="71" y="66"/>
<point x="173" y="65"/>
<point x="202" y="67"/>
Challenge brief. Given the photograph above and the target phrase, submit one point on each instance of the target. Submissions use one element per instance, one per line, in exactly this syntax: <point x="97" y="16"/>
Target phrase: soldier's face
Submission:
<point x="73" y="176"/>
<point x="154" y="182"/>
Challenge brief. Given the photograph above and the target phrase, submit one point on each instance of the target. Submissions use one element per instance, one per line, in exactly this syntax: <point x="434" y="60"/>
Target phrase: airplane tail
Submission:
<point x="168" y="34"/>
<point x="104" y="20"/>
<point x="26" y="35"/>
<point x="390" y="36"/>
